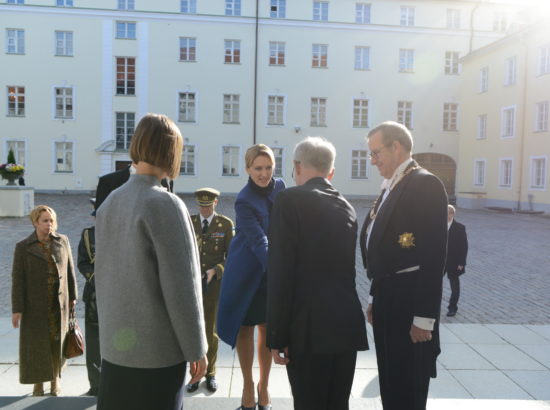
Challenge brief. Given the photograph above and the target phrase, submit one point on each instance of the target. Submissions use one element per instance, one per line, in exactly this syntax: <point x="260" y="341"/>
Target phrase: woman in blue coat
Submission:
<point x="243" y="296"/>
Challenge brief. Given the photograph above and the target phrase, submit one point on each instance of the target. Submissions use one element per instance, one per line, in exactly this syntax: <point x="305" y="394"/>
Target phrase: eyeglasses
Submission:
<point x="374" y="154"/>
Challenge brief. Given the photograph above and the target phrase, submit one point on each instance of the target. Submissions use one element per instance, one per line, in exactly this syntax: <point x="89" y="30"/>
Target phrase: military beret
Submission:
<point x="206" y="196"/>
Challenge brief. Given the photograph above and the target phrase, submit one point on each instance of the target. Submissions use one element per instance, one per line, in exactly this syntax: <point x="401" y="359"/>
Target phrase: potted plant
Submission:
<point x="10" y="170"/>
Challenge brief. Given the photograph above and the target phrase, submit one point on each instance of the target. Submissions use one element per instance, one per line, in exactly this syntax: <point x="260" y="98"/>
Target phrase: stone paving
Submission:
<point x="507" y="278"/>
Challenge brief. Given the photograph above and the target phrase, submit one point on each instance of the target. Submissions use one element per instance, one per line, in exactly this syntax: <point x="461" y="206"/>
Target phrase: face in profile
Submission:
<point x="44" y="224"/>
<point x="261" y="170"/>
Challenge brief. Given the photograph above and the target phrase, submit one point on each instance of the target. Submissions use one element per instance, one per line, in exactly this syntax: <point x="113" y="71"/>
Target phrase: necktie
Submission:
<point x="204" y="225"/>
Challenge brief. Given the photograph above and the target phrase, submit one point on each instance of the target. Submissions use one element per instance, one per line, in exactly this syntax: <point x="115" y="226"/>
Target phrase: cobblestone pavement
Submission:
<point x="507" y="278"/>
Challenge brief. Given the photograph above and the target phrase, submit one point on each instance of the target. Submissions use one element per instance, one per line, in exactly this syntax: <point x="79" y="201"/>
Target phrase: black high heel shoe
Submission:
<point x="267" y="406"/>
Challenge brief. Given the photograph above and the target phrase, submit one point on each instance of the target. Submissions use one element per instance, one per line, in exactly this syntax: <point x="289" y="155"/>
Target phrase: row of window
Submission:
<point x="537" y="177"/>
<point x="508" y="121"/>
<point x="320" y="12"/>
<point x="230" y="158"/>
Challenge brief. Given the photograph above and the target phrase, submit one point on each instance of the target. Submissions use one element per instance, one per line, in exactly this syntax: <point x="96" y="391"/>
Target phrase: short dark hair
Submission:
<point x="393" y="131"/>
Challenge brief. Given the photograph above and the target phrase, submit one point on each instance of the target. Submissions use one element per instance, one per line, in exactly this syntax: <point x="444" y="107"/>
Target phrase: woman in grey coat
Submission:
<point x="148" y="283"/>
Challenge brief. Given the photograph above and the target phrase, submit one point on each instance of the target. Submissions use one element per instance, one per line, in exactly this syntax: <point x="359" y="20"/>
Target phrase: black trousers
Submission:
<point x="321" y="381"/>
<point x="454" y="281"/>
<point x="93" y="358"/>
<point x="130" y="388"/>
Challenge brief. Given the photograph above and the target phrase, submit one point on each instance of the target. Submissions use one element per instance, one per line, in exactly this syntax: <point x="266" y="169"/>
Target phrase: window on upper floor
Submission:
<point x="362" y="13"/>
<point x="481" y="127"/>
<point x="406" y="61"/>
<point x="232" y="7"/>
<point x="505" y="173"/>
<point x="276" y="53"/>
<point x="484" y="79"/>
<point x="125" y="76"/>
<point x="276" y="110"/>
<point x="451" y="62"/>
<point x="538" y="172"/>
<point x="360" y="113"/>
<point x="126" y="4"/>
<point x="188" y="49"/>
<point x="319" y="56"/>
<point x="453" y="19"/>
<point x="404" y="114"/>
<point x="187" y="107"/>
<point x="18" y="149"/>
<point x="277" y="9"/>
<point x="64" y="102"/>
<point x="231" y="108"/>
<point x="359" y="164"/>
<point x="479" y="172"/>
<point x="188" y="6"/>
<point x="541" y="116"/>
<point x="187" y="166"/>
<point x="232" y="51"/>
<point x="510" y="71"/>
<point x="544" y="59"/>
<point x="500" y="22"/>
<point x="64" y="3"/>
<point x="278" y="154"/>
<point x="406" y="16"/>
<point x="125" y="123"/>
<point x="64" y="43"/>
<point x="16" y="101"/>
<point x="318" y="117"/>
<point x="507" y="124"/>
<point x="320" y="10"/>
<point x="15" y="41"/>
<point x="450" y="117"/>
<point x="64" y="154"/>
<point x="15" y="1"/>
<point x="230" y="161"/>
<point x="362" y="58"/>
<point x="126" y="30"/>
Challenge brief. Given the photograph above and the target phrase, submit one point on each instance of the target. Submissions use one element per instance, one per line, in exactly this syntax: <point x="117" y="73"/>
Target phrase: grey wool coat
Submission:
<point x="30" y="297"/>
<point x="147" y="277"/>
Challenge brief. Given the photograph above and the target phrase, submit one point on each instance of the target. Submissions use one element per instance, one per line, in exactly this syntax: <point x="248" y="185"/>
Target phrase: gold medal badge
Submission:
<point x="406" y="240"/>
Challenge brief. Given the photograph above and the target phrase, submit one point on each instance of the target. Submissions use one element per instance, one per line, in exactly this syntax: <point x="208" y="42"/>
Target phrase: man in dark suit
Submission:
<point x="457" y="250"/>
<point x="315" y="323"/>
<point x="404" y="243"/>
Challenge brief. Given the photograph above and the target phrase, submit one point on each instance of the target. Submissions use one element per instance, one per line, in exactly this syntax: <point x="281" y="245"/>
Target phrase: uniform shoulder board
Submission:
<point x="224" y="218"/>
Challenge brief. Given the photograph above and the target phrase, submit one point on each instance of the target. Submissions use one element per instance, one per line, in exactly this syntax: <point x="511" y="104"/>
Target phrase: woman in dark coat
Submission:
<point x="243" y="297"/>
<point x="43" y="293"/>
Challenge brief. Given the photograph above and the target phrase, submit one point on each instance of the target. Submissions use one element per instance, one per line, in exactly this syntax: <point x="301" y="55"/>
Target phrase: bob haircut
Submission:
<point x="255" y="151"/>
<point x="157" y="141"/>
<point x="35" y="215"/>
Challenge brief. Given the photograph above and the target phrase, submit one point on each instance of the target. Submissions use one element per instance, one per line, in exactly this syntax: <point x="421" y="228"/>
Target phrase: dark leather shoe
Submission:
<point x="211" y="383"/>
<point x="192" y="387"/>
<point x="451" y="313"/>
<point x="92" y="391"/>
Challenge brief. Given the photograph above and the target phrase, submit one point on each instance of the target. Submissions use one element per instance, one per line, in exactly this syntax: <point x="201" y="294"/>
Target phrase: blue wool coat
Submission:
<point x="246" y="262"/>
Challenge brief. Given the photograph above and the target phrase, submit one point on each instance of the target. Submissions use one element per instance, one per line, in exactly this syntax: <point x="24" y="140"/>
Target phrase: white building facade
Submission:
<point x="79" y="74"/>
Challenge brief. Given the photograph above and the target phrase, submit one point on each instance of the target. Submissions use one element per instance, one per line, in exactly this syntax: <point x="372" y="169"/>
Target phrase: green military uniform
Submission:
<point x="213" y="247"/>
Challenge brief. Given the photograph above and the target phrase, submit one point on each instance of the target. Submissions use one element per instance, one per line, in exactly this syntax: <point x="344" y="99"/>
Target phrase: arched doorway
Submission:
<point x="441" y="165"/>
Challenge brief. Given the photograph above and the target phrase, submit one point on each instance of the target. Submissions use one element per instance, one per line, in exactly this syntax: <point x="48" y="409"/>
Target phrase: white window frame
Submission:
<point x="507" y="129"/>
<point x="358" y="112"/>
<point x="479" y="180"/>
<point x="232" y="108"/>
<point x="405" y="114"/>
<point x="15" y="1"/>
<point x="73" y="151"/>
<point x="362" y="58"/>
<point x="320" y="11"/>
<point x="126" y="135"/>
<point x="362" y="13"/>
<point x="277" y="9"/>
<point x="453" y="19"/>
<point x="237" y="160"/>
<point x="126" y="30"/>
<point x="233" y="8"/>
<point x="185" y="156"/>
<point x="452" y="66"/>
<point x="195" y="114"/>
<point x="126" y="78"/>
<point x="188" y="6"/>
<point x="500" y="22"/>
<point x="63" y="43"/>
<point x="15" y="41"/>
<point x="505" y="179"/>
<point x="277" y="53"/>
<point x="17" y="151"/>
<point x="126" y="5"/>
<point x="282" y="106"/>
<point x="65" y="113"/>
<point x="448" y="112"/>
<point x="189" y="44"/>
<point x="541" y="116"/>
<point x="318" y="113"/>
<point x="64" y="3"/>
<point x="231" y="47"/>
<point x="279" y="161"/>
<point x="406" y="16"/>
<point x="406" y="60"/>
<point x="317" y="53"/>
<point x="510" y="71"/>
<point x="535" y="175"/>
<point x="481" y="127"/>
<point x="356" y="164"/>
<point x="18" y="111"/>
<point x="544" y="59"/>
<point x="484" y="79"/>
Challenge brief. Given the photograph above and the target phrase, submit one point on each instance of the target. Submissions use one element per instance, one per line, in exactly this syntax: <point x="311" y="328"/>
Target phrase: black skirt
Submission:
<point x="257" y="311"/>
<point x="133" y="388"/>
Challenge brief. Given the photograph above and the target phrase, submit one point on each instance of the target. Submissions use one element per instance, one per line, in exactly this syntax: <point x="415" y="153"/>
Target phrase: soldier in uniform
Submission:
<point x="214" y="233"/>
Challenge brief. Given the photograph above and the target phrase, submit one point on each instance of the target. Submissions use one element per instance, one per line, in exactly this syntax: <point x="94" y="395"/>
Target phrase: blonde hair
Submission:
<point x="255" y="151"/>
<point x="158" y="141"/>
<point x="35" y="215"/>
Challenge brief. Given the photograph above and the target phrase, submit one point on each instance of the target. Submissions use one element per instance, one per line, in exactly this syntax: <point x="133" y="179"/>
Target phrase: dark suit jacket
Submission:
<point x="312" y="300"/>
<point x="457" y="248"/>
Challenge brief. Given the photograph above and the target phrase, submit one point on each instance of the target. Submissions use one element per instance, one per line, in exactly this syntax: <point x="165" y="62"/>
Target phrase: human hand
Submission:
<point x="197" y="370"/>
<point x="16" y="320"/>
<point x="420" y="335"/>
<point x="460" y="267"/>
<point x="210" y="273"/>
<point x="277" y="358"/>
<point x="73" y="303"/>
<point x="369" y="313"/>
